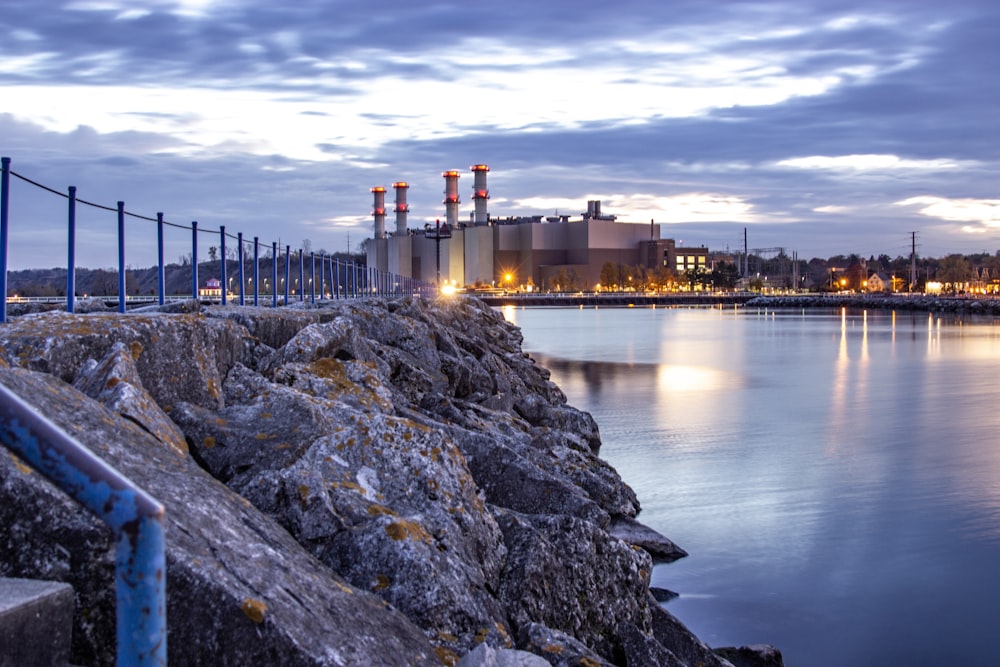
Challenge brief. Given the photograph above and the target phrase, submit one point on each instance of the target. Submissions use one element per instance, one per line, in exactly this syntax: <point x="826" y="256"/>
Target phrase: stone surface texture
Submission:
<point x="386" y="482"/>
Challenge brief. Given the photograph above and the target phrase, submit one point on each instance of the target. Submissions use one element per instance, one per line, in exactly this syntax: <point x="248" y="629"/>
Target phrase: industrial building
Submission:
<point x="514" y="252"/>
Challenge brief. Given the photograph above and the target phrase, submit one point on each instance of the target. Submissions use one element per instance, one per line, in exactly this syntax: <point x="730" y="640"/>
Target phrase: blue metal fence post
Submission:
<point x="288" y="268"/>
<point x="4" y="205"/>
<point x="302" y="276"/>
<point x="136" y="518"/>
<point x="256" y="267"/>
<point x="121" y="257"/>
<point x="71" y="250"/>
<point x="322" y="270"/>
<point x="274" y="274"/>
<point x="335" y="276"/>
<point x="312" y="277"/>
<point x="161" y="285"/>
<point x="222" y="246"/>
<point x="239" y="240"/>
<point x="194" y="259"/>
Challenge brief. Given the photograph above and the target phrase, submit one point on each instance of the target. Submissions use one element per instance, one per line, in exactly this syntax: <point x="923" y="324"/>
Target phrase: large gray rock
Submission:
<point x="571" y="576"/>
<point x="681" y="642"/>
<point x="115" y="382"/>
<point x="178" y="357"/>
<point x="394" y="464"/>
<point x="240" y="590"/>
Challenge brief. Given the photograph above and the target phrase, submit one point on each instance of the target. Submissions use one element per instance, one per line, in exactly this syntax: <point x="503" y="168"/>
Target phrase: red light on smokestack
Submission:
<point x="479" y="167"/>
<point x="378" y="188"/>
<point x="401" y="184"/>
<point x="452" y="172"/>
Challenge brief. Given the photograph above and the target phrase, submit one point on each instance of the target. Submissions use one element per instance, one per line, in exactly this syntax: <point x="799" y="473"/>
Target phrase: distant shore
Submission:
<point x="913" y="302"/>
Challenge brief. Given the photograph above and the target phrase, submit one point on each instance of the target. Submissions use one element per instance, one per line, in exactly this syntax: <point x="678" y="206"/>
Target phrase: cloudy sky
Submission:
<point x="821" y="127"/>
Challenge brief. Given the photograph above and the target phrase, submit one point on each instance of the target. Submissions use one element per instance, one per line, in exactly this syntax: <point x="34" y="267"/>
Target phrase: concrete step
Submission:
<point x="36" y="622"/>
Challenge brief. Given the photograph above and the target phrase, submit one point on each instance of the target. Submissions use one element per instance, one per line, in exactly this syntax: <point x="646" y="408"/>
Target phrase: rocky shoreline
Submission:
<point x="916" y="302"/>
<point x="387" y="482"/>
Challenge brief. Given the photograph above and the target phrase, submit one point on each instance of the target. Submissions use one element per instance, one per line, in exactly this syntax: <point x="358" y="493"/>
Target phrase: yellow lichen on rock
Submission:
<point x="446" y="656"/>
<point x="254" y="609"/>
<point x="376" y="510"/>
<point x="404" y="528"/>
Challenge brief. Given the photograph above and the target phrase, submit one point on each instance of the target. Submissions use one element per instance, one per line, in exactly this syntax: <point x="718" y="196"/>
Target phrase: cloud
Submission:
<point x="808" y="121"/>
<point x="984" y="211"/>
<point x="866" y="163"/>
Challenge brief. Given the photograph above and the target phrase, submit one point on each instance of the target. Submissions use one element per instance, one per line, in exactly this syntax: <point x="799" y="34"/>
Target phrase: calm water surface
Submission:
<point x="834" y="475"/>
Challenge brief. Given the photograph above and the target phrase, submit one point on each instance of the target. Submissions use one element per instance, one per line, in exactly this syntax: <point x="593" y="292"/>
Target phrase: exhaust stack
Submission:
<point x="378" y="211"/>
<point x="451" y="200"/>
<point x="402" y="208"/>
<point x="481" y="194"/>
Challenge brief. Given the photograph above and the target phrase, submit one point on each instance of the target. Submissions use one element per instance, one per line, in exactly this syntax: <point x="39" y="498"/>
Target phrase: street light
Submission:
<point x="437" y="233"/>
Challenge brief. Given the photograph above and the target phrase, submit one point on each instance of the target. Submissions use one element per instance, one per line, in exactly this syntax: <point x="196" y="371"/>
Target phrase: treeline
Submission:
<point x="617" y="277"/>
<point x="956" y="272"/>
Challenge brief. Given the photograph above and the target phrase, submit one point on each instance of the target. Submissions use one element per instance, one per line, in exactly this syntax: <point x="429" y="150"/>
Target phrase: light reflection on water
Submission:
<point x="835" y="475"/>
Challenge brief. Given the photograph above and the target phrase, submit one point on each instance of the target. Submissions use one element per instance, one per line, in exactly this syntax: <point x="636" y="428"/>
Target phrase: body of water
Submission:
<point x="835" y="475"/>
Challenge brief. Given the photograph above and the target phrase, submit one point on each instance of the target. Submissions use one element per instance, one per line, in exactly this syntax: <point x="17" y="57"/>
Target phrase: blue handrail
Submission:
<point x="135" y="517"/>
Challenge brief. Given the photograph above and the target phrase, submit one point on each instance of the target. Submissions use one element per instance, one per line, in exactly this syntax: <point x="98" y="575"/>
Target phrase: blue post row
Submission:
<point x="347" y="279"/>
<point x="256" y="267"/>
<point x="135" y="517"/>
<point x="71" y="250"/>
<point x="160" y="275"/>
<point x="194" y="259"/>
<point x="121" y="257"/>
<point x="222" y="258"/>
<point x="274" y="274"/>
<point x="4" y="205"/>
<point x="239" y="240"/>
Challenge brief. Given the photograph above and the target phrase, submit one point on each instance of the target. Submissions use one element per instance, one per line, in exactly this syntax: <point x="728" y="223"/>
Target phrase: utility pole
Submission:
<point x="913" y="261"/>
<point x="746" y="256"/>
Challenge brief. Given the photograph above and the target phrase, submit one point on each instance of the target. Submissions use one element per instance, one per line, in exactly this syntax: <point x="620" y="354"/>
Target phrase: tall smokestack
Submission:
<point x="402" y="208"/>
<point x="480" y="194"/>
<point x="378" y="211"/>
<point x="451" y="198"/>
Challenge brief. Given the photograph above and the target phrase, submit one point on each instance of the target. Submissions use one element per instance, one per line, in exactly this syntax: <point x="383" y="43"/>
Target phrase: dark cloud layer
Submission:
<point x="913" y="81"/>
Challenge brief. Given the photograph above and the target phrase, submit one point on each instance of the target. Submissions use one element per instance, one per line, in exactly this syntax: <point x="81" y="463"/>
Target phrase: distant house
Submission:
<point x="211" y="290"/>
<point x="878" y="282"/>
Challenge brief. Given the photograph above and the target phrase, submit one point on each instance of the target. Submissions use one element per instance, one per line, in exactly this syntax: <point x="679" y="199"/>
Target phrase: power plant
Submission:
<point x="514" y="252"/>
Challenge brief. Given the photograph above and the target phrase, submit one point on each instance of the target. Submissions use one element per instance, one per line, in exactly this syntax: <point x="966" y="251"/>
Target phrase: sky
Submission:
<point x="824" y="128"/>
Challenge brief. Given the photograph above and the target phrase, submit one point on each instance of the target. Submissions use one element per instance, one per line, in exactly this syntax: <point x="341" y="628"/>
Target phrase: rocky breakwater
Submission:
<point x="919" y="302"/>
<point x="378" y="483"/>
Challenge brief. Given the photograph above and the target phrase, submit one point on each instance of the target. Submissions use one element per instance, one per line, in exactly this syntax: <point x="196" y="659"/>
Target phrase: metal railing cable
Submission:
<point x="346" y="278"/>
